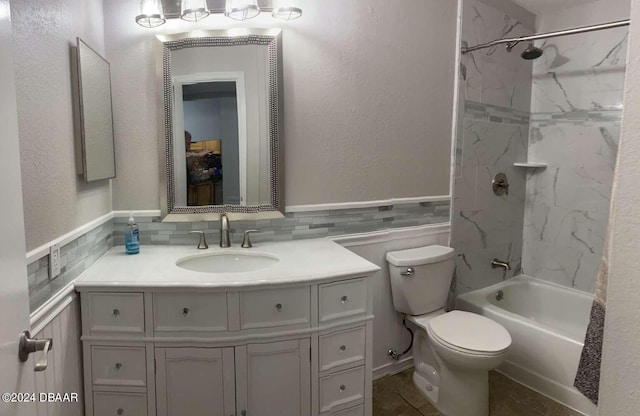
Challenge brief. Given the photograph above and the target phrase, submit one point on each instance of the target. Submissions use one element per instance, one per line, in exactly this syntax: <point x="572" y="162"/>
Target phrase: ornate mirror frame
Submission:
<point x="272" y="39"/>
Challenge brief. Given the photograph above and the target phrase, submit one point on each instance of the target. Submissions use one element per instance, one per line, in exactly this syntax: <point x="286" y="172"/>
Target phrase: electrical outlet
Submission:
<point x="54" y="261"/>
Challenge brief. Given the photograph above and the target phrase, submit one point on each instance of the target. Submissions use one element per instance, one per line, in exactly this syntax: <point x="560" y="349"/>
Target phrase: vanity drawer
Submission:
<point x="342" y="390"/>
<point x="275" y="307"/>
<point x="190" y="312"/>
<point x="343" y="300"/>
<point x="119" y="366"/>
<point x="342" y="349"/>
<point x="116" y="312"/>
<point x="119" y="404"/>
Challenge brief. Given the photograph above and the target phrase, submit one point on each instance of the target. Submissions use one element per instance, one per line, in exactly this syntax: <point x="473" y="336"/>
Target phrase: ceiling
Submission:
<point x="545" y="6"/>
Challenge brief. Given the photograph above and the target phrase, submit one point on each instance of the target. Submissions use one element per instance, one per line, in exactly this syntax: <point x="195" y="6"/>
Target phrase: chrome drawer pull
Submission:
<point x="115" y="313"/>
<point x="186" y="312"/>
<point x="343" y="348"/>
<point x="343" y="387"/>
<point x="279" y="307"/>
<point x="118" y="366"/>
<point x="344" y="299"/>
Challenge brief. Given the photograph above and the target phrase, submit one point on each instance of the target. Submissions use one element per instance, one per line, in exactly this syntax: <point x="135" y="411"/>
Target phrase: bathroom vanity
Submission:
<point x="292" y="338"/>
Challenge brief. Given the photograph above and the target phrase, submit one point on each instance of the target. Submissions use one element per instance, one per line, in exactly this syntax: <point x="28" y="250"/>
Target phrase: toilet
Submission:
<point x="453" y="352"/>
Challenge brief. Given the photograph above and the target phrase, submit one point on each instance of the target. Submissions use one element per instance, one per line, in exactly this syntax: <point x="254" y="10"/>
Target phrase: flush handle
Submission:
<point x="408" y="272"/>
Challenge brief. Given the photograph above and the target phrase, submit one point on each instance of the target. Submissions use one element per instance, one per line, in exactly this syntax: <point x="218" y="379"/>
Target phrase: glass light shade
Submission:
<point x="286" y="10"/>
<point x="193" y="10"/>
<point x="242" y="9"/>
<point x="151" y="14"/>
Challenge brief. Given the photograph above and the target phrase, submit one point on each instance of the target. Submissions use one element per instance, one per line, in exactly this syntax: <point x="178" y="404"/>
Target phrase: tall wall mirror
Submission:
<point x="94" y="120"/>
<point x="221" y="110"/>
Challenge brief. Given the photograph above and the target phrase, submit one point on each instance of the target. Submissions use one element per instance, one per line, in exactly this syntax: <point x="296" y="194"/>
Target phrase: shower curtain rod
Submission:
<point x="512" y="42"/>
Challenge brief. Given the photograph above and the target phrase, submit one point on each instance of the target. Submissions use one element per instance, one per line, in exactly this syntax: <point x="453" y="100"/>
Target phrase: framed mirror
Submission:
<point x="221" y="122"/>
<point x="94" y="120"/>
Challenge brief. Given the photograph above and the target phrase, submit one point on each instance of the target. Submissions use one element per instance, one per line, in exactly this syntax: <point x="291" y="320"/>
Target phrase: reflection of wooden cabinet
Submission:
<point x="204" y="193"/>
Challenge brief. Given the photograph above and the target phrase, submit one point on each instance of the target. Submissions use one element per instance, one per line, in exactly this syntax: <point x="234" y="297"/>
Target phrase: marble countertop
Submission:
<point x="301" y="261"/>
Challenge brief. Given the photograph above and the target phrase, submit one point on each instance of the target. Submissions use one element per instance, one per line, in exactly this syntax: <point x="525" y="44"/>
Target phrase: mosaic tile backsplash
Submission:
<point x="294" y="226"/>
<point x="81" y="253"/>
<point x="75" y="258"/>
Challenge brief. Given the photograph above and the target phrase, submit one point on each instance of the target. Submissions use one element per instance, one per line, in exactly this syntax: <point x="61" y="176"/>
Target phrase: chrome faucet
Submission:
<point x="495" y="263"/>
<point x="224" y="231"/>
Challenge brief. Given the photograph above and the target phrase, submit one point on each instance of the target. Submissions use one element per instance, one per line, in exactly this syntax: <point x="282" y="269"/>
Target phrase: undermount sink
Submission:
<point x="227" y="262"/>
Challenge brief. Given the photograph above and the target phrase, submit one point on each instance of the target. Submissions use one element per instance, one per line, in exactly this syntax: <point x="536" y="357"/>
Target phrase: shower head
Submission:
<point x="531" y="53"/>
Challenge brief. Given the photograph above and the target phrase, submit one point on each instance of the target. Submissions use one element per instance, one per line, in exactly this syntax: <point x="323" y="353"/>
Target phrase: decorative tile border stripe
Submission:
<point x="75" y="257"/>
<point x="502" y="115"/>
<point x="495" y="114"/>
<point x="578" y="118"/>
<point x="295" y="225"/>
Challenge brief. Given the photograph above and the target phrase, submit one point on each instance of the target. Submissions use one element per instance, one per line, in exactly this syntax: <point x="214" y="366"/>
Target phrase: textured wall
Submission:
<point x="492" y="135"/>
<point x="367" y="92"/>
<point x="55" y="199"/>
<point x="575" y="125"/>
<point x="619" y="393"/>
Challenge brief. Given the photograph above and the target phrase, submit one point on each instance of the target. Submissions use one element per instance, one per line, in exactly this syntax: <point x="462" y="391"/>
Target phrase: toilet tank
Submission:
<point x="420" y="278"/>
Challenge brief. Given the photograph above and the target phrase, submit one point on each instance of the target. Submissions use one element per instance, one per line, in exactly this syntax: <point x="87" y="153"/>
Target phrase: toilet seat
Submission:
<point x="467" y="333"/>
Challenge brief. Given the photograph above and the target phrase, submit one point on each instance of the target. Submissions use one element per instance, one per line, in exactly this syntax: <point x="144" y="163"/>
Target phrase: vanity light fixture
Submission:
<point x="193" y="10"/>
<point x="242" y="9"/>
<point x="286" y="10"/>
<point x="152" y="15"/>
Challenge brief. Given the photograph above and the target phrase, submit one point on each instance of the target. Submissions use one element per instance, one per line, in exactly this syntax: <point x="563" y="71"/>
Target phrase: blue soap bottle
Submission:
<point x="132" y="236"/>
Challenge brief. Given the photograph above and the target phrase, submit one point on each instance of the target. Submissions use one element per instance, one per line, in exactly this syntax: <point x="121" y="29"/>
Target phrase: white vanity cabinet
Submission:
<point x="292" y="339"/>
<point x="290" y="350"/>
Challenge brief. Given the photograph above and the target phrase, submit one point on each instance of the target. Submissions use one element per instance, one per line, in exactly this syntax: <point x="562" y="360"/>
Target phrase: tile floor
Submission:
<point x="396" y="396"/>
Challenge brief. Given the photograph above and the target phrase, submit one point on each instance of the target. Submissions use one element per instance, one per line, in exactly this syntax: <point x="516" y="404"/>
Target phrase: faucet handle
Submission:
<point x="202" y="244"/>
<point x="246" y="242"/>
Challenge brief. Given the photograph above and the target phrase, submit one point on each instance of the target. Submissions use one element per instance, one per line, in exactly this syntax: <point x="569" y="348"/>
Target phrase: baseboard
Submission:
<point x="390" y="369"/>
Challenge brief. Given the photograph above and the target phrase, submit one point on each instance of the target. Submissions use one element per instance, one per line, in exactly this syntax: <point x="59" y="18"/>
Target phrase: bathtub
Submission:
<point x="547" y="323"/>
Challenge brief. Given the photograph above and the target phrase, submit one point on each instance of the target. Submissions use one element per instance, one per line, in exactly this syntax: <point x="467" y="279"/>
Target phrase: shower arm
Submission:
<point x="512" y="42"/>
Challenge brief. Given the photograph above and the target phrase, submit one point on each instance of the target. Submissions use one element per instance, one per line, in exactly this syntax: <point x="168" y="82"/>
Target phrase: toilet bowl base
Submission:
<point x="430" y="391"/>
<point x="459" y="393"/>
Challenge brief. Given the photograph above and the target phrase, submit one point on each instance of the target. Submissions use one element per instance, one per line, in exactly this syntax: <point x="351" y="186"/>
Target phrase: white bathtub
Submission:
<point x="547" y="323"/>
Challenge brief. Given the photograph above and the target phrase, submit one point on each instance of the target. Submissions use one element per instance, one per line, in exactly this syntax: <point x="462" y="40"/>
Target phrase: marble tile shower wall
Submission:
<point x="75" y="258"/>
<point x="493" y="135"/>
<point x="296" y="225"/>
<point x="575" y="126"/>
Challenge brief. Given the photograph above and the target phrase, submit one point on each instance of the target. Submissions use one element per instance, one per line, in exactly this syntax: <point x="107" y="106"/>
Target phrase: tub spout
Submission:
<point x="495" y="263"/>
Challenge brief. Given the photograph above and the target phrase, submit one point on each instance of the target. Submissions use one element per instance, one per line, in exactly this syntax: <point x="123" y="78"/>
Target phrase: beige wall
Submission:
<point x="55" y="199"/>
<point x="620" y="379"/>
<point x="368" y="100"/>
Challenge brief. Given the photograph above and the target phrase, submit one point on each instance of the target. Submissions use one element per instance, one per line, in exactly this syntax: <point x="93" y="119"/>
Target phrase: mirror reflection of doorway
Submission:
<point x="211" y="143"/>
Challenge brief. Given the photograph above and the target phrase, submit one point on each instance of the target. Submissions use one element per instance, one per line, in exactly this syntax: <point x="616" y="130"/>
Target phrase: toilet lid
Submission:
<point x="469" y="331"/>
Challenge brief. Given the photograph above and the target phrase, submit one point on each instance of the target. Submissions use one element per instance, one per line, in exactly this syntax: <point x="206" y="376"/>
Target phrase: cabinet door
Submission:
<point x="195" y="381"/>
<point x="274" y="379"/>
